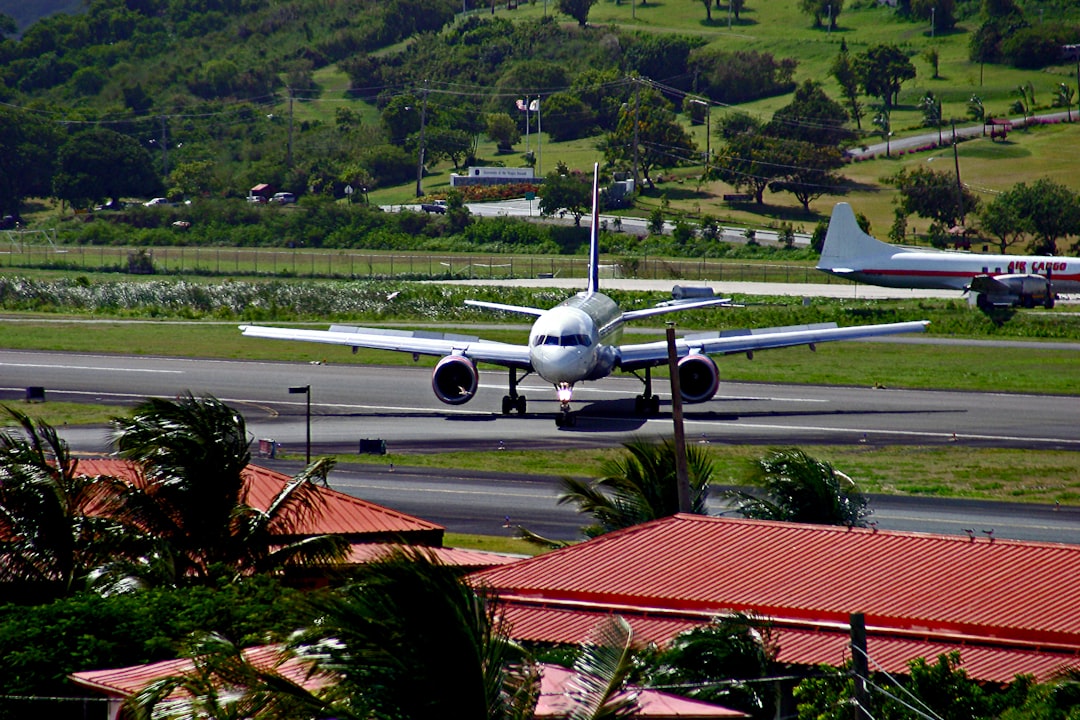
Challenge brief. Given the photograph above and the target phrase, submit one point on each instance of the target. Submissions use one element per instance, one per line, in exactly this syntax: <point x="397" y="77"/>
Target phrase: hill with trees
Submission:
<point x="216" y="96"/>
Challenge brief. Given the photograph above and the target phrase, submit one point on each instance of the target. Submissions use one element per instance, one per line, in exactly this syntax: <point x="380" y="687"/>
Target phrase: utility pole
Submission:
<point x="959" y="185"/>
<point x="539" y="142"/>
<point x="682" y="471"/>
<point x="288" y="158"/>
<point x="860" y="666"/>
<point x="420" y="154"/>
<point x="637" y="124"/>
<point x="164" y="148"/>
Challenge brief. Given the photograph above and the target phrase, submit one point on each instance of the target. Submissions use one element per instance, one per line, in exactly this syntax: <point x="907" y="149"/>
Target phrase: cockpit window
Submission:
<point x="571" y="340"/>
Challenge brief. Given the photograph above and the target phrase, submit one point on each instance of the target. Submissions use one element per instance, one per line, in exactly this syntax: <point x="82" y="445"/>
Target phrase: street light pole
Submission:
<point x="420" y="159"/>
<point x="306" y="390"/>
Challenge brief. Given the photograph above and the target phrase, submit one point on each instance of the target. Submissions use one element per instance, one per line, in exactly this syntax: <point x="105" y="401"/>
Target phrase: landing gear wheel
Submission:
<point x="507" y="404"/>
<point x="565" y="419"/>
<point x="519" y="404"/>
<point x="647" y="404"/>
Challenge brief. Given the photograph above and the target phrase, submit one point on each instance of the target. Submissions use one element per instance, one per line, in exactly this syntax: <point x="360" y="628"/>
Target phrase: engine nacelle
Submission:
<point x="455" y="379"/>
<point x="698" y="378"/>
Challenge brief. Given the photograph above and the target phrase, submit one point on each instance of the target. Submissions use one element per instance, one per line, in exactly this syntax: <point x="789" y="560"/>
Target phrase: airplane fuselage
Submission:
<point x="954" y="271"/>
<point x="575" y="340"/>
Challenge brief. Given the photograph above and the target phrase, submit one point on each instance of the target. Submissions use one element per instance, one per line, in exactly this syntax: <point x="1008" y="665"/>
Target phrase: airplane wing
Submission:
<point x="418" y="342"/>
<point x="633" y="357"/>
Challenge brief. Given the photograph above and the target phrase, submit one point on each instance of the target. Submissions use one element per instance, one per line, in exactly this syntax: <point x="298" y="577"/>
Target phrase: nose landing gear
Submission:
<point x="565" y="418"/>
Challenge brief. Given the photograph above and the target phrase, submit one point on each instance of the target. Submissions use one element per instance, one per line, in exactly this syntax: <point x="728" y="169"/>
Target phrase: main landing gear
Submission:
<point x="647" y="403"/>
<point x="513" y="401"/>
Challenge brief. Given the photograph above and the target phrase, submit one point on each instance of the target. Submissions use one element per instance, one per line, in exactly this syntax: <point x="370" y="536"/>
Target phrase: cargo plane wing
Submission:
<point x="578" y="341"/>
<point x="996" y="280"/>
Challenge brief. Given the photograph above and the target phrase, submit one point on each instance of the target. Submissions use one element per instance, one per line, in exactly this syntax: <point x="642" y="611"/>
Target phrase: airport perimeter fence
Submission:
<point x="344" y="264"/>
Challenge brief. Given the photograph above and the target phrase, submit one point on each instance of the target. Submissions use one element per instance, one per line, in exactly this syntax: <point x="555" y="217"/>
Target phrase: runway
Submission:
<point x="395" y="404"/>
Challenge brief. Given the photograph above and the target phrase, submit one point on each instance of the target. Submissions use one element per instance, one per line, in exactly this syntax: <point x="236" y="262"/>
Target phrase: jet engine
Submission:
<point x="454" y="380"/>
<point x="698" y="378"/>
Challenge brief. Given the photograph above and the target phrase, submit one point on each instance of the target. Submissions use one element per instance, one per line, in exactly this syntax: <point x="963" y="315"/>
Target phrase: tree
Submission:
<point x="27" y="148"/>
<point x="846" y="74"/>
<point x="191" y="179"/>
<point x="931" y="110"/>
<point x="1025" y="103"/>
<point x="798" y="488"/>
<point x="708" y="10"/>
<point x="661" y="141"/>
<point x="809" y="171"/>
<point x="933" y="195"/>
<point x="811" y="116"/>
<point x="1001" y="219"/>
<point x="50" y="541"/>
<point x="503" y="130"/>
<point x="408" y="639"/>
<point x="191" y="499"/>
<point x="941" y="13"/>
<point x="882" y="69"/>
<point x="569" y="192"/>
<point x="934" y="58"/>
<point x="702" y="663"/>
<point x="749" y="163"/>
<point x="638" y="487"/>
<point x="975" y="109"/>
<point x="1064" y="98"/>
<point x="100" y="164"/>
<point x="1049" y="210"/>
<point x="577" y="9"/>
<point x="818" y="9"/>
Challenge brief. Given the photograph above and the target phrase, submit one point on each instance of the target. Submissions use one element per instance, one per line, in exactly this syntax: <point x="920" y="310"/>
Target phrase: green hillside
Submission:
<point x="311" y="96"/>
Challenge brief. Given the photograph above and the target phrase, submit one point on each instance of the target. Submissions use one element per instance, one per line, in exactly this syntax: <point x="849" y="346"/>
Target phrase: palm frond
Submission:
<point x="598" y="685"/>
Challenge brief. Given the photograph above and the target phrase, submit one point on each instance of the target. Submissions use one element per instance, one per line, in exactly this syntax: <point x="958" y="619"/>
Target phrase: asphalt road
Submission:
<point x="396" y="405"/>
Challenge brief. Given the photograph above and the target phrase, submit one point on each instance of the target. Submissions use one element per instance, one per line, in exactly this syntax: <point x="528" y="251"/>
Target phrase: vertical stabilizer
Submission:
<point x="845" y="242"/>
<point x="594" y="233"/>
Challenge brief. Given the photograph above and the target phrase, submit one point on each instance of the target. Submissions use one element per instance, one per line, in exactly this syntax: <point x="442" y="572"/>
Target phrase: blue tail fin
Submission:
<point x="594" y="233"/>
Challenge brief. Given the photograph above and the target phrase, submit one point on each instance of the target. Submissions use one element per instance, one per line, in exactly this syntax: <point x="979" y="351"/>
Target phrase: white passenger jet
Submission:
<point x="577" y="341"/>
<point x="996" y="280"/>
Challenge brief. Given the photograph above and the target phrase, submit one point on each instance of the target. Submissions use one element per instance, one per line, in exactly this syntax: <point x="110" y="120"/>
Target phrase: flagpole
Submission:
<point x="539" y="147"/>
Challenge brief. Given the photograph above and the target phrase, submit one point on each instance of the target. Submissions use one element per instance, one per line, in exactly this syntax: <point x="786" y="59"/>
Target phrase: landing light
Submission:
<point x="565" y="391"/>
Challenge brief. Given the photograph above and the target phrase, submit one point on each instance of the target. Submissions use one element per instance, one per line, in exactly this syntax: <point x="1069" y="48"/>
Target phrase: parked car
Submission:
<point x="157" y="201"/>
<point x="438" y="207"/>
<point x="283" y="198"/>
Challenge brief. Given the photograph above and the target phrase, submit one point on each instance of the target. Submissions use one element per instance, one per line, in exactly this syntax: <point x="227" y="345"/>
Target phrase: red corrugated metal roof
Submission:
<point x="556" y="689"/>
<point x="360" y="553"/>
<point x="808" y="646"/>
<point x="342" y="514"/>
<point x="1006" y="594"/>
<point x="126" y="681"/>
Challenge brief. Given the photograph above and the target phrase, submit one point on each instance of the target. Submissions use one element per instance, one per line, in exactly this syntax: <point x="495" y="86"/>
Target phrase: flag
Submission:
<point x="522" y="106"/>
<point x="535" y="105"/>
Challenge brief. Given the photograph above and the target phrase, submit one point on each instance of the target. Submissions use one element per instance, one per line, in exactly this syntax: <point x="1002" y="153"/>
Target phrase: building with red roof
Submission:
<point x="1007" y="607"/>
<point x="373" y="530"/>
<point x="555" y="700"/>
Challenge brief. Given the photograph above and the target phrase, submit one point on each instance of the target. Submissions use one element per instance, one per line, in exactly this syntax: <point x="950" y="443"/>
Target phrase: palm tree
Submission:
<point x="712" y="662"/>
<point x="49" y="537"/>
<point x="410" y="639"/>
<point x="192" y="496"/>
<point x="799" y="488"/>
<point x="638" y="487"/>
<point x="598" y="687"/>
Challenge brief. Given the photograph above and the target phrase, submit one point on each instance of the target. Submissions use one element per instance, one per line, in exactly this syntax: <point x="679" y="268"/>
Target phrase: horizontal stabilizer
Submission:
<point x="674" y="306"/>
<point x="521" y="309"/>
